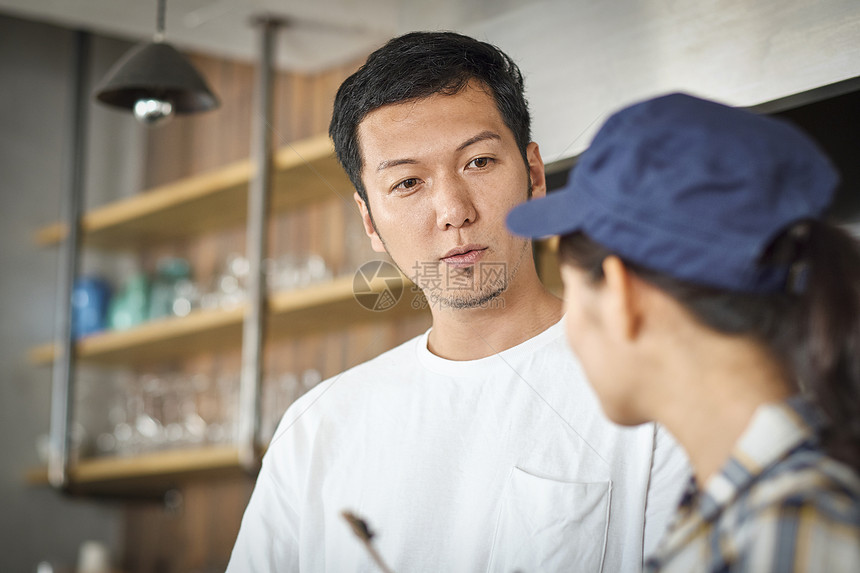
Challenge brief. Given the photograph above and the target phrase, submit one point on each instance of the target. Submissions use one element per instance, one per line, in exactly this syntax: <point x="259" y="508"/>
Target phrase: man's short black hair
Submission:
<point x="418" y="65"/>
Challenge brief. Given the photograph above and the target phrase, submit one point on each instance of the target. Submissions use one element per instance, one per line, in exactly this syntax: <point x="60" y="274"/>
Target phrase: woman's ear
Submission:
<point x="622" y="311"/>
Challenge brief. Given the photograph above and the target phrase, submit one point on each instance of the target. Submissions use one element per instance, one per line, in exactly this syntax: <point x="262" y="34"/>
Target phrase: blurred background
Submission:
<point x="161" y="305"/>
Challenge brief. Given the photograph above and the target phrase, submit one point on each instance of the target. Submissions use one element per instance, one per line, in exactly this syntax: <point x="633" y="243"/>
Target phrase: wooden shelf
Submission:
<point x="332" y="305"/>
<point x="304" y="172"/>
<point x="163" y="338"/>
<point x="319" y="307"/>
<point x="146" y="474"/>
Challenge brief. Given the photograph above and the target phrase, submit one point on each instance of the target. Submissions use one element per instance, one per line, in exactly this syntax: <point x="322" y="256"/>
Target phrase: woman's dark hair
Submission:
<point x="418" y="65"/>
<point x="812" y="329"/>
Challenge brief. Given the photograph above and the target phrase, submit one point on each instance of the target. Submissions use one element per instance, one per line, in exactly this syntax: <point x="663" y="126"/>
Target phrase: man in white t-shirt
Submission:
<point x="477" y="446"/>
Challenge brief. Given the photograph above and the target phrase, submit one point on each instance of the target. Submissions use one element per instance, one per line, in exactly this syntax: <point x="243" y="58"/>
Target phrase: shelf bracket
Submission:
<point x="262" y="152"/>
<point x="63" y="379"/>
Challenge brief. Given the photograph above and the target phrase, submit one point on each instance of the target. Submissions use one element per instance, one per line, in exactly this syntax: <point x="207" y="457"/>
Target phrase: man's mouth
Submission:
<point x="463" y="256"/>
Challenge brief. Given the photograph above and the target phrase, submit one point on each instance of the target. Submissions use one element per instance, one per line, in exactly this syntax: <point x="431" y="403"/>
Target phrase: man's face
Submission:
<point x="441" y="174"/>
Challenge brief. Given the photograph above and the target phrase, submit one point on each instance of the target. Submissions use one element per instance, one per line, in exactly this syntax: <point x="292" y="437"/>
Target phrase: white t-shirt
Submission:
<point x="506" y="463"/>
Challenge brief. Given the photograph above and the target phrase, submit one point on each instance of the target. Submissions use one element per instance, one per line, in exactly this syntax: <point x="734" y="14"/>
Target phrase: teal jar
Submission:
<point x="171" y="273"/>
<point x="130" y="306"/>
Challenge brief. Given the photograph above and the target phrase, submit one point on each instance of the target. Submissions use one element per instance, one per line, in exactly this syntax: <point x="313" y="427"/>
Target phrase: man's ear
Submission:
<point x="622" y="311"/>
<point x="537" y="171"/>
<point x="375" y="240"/>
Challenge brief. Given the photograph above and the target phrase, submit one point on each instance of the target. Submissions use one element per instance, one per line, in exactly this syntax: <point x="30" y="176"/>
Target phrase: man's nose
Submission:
<point x="454" y="205"/>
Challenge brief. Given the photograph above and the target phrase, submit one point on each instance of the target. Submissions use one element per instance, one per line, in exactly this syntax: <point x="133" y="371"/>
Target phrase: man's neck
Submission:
<point x="470" y="334"/>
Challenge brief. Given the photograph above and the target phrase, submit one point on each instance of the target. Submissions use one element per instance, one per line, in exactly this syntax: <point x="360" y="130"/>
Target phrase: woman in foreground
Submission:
<point x="704" y="291"/>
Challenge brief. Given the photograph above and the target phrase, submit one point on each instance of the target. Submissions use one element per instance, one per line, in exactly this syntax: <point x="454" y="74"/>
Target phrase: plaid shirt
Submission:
<point x="778" y="504"/>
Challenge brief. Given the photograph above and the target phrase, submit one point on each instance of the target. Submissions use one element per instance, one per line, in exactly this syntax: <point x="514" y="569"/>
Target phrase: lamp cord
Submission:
<point x="159" y="23"/>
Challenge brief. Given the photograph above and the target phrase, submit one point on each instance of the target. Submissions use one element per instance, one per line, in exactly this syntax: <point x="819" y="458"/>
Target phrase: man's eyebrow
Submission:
<point x="483" y="136"/>
<point x="393" y="163"/>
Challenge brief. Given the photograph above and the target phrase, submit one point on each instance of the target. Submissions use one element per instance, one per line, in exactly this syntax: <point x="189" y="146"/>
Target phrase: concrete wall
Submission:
<point x="585" y="58"/>
<point x="36" y="69"/>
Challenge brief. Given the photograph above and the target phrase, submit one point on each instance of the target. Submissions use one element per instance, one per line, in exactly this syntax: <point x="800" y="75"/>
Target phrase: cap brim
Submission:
<point x="555" y="214"/>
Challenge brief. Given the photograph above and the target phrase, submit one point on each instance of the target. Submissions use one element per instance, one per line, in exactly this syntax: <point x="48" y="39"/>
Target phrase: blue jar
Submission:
<point x="90" y="300"/>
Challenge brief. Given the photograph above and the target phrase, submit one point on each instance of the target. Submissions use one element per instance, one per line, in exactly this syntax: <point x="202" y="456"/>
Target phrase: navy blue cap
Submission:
<point x="691" y="188"/>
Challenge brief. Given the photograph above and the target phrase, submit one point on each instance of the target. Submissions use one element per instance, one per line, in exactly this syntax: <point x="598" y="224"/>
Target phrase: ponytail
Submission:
<point x="827" y="357"/>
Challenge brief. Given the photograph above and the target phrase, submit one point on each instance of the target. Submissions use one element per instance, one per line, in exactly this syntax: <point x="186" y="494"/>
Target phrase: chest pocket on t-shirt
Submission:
<point x="549" y="525"/>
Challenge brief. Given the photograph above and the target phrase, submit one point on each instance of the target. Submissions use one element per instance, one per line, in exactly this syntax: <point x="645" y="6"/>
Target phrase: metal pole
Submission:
<point x="250" y="383"/>
<point x="63" y="378"/>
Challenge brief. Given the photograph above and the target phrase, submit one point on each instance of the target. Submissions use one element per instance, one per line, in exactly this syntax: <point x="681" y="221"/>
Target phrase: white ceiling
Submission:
<point x="321" y="33"/>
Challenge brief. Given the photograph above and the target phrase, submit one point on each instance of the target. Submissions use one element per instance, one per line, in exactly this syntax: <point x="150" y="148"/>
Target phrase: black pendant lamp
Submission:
<point x="154" y="81"/>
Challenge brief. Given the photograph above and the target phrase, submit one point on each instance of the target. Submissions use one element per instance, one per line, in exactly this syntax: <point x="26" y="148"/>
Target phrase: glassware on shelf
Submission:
<point x="224" y="427"/>
<point x="128" y="402"/>
<point x="171" y="415"/>
<point x="90" y="301"/>
<point x="289" y="271"/>
<point x="149" y="422"/>
<point x="186" y="297"/>
<point x="114" y="440"/>
<point x="173" y="274"/>
<point x="90" y="403"/>
<point x="193" y="424"/>
<point x="229" y="288"/>
<point x="79" y="446"/>
<point x="130" y="306"/>
<point x="315" y="270"/>
<point x="150" y="412"/>
<point x="139" y="413"/>
<point x="279" y="391"/>
<point x="357" y="248"/>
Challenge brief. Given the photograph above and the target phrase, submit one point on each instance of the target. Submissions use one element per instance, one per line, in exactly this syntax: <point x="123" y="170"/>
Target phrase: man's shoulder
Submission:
<point x="399" y="361"/>
<point x="393" y="358"/>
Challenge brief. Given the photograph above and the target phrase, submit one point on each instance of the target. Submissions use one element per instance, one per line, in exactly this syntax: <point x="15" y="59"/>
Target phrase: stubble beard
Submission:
<point x="482" y="295"/>
<point x="463" y="299"/>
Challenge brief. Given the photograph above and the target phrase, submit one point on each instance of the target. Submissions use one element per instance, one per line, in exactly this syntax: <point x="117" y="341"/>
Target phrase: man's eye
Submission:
<point x="480" y="162"/>
<point x="407" y="184"/>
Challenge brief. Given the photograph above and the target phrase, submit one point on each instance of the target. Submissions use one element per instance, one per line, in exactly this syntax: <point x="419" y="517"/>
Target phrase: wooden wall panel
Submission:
<point x="194" y="535"/>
